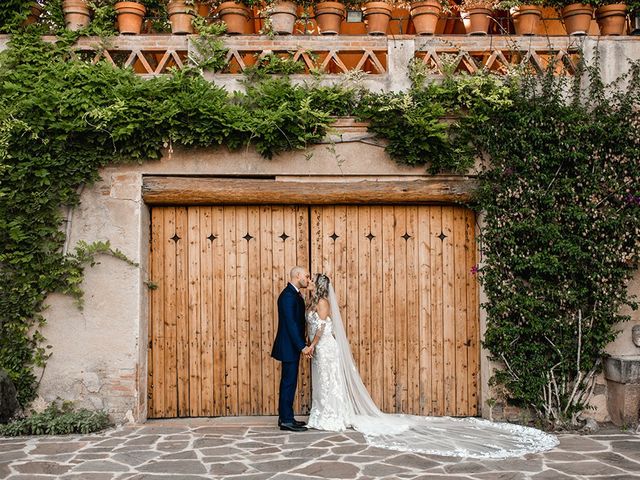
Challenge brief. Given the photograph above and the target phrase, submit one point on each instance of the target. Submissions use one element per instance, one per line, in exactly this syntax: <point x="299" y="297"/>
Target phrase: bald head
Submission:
<point x="299" y="276"/>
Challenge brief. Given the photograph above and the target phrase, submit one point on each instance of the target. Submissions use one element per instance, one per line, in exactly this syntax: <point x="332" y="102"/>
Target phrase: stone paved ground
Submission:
<point x="253" y="448"/>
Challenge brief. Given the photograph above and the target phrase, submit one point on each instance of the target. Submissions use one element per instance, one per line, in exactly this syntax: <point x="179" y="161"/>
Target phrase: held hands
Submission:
<point x="308" y="351"/>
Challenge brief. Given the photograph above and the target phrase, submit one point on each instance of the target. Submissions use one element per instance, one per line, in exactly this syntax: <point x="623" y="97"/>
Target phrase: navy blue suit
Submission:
<point x="288" y="344"/>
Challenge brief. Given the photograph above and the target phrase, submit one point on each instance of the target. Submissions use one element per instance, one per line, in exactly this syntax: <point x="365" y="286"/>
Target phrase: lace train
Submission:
<point x="340" y="399"/>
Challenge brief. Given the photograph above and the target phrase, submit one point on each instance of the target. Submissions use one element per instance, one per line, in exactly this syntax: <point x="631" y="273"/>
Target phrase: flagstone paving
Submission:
<point x="253" y="448"/>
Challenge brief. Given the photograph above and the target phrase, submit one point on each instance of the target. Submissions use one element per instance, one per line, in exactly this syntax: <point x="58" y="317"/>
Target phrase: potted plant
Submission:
<point x="576" y="16"/>
<point x="377" y="15"/>
<point x="282" y="16"/>
<point x="329" y="16"/>
<point x="476" y="16"/>
<point x="425" y="15"/>
<point x="611" y="16"/>
<point x="181" y="14"/>
<point x="76" y="14"/>
<point x="525" y="14"/>
<point x="237" y="15"/>
<point x="130" y="16"/>
<point x="203" y="8"/>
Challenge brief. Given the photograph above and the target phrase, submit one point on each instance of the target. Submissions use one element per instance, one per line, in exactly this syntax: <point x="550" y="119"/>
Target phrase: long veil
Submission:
<point x="460" y="437"/>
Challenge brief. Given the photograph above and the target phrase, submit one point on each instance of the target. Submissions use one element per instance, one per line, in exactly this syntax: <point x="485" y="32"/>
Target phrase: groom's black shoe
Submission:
<point x="292" y="427"/>
<point x="295" y="422"/>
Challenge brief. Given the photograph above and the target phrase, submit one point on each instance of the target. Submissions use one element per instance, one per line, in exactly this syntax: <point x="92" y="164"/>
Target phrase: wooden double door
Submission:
<point x="403" y="276"/>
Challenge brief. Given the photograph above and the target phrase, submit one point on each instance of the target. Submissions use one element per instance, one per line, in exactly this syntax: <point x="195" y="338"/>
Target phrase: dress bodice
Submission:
<point x="315" y="322"/>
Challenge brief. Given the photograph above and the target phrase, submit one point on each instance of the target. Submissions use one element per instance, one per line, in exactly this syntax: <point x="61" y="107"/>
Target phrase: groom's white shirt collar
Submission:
<point x="297" y="289"/>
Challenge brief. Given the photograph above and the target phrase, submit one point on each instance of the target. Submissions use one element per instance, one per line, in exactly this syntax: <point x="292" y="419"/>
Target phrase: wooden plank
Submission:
<point x="342" y="277"/>
<point x="302" y="255"/>
<point x="413" y="327"/>
<point x="460" y="304"/>
<point x="206" y="312"/>
<point x="157" y="314"/>
<point x="473" y="340"/>
<point x="364" y="293"/>
<point x="242" y="310"/>
<point x="388" y="282"/>
<point x="182" y="314"/>
<point x="328" y="247"/>
<point x="230" y="313"/>
<point x="425" y="341"/>
<point x="213" y="191"/>
<point x="279" y="276"/>
<point x="195" y="354"/>
<point x="268" y="314"/>
<point x="448" y="301"/>
<point x="400" y="321"/>
<point x="377" y="311"/>
<point x="152" y="298"/>
<point x="219" y="334"/>
<point x="316" y="239"/>
<point x="348" y="296"/>
<point x="255" y="314"/>
<point x="290" y="261"/>
<point x="437" y="327"/>
<point x="170" y="326"/>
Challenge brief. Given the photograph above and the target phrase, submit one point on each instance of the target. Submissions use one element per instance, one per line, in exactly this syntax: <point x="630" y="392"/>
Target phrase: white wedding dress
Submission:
<point x="328" y="397"/>
<point x="340" y="401"/>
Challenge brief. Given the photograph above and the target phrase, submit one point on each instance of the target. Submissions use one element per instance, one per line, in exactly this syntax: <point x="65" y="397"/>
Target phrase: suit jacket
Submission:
<point x="289" y="340"/>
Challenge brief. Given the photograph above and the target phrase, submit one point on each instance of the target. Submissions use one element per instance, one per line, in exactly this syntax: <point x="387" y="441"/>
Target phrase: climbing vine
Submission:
<point x="561" y="217"/>
<point x="561" y="203"/>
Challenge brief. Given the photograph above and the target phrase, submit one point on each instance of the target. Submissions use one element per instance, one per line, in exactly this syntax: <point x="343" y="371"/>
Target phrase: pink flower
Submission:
<point x="474" y="269"/>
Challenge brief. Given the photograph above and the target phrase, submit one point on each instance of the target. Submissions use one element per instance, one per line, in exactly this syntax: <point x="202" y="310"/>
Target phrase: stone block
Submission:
<point x="623" y="369"/>
<point x="623" y="389"/>
<point x="623" y="403"/>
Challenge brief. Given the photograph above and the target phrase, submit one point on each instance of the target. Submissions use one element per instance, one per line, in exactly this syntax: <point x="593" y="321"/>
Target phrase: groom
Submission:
<point x="289" y="344"/>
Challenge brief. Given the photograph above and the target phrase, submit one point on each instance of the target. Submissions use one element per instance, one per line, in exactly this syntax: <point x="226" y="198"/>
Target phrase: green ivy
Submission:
<point x="58" y="420"/>
<point x="561" y="203"/>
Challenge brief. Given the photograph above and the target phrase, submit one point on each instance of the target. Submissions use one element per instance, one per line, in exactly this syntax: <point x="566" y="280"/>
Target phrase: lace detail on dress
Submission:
<point x="328" y="394"/>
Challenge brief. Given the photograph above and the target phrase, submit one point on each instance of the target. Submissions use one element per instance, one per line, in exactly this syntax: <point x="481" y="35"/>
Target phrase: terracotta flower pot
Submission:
<point x="329" y="16"/>
<point x="76" y="14"/>
<point x="612" y="19"/>
<point x="526" y="19"/>
<point x="283" y="16"/>
<point x="180" y="15"/>
<point x="35" y="10"/>
<point x="377" y="16"/>
<point x="577" y="18"/>
<point x="476" y="20"/>
<point x="237" y="16"/>
<point x="202" y="9"/>
<point x="130" y="16"/>
<point x="425" y="16"/>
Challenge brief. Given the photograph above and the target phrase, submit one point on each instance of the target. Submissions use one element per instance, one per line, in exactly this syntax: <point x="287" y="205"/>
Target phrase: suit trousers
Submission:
<point x="288" y="384"/>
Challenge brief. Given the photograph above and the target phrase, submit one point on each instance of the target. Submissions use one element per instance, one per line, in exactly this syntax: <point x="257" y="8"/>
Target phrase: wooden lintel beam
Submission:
<point x="215" y="191"/>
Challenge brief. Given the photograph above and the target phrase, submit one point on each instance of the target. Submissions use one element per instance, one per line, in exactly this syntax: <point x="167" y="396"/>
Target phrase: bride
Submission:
<point x="339" y="400"/>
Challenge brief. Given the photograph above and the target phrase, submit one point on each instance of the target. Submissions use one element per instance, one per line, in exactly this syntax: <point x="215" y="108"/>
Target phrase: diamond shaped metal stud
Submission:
<point x="284" y="236"/>
<point x="334" y="236"/>
<point x="175" y="237"/>
<point x="211" y="237"/>
<point x="247" y="237"/>
<point x="406" y="236"/>
<point x="442" y="236"/>
<point x="371" y="236"/>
